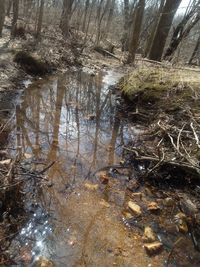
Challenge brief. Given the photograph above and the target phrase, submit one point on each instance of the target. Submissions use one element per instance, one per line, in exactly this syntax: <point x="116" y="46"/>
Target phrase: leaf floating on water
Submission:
<point x="91" y="186"/>
<point x="153" y="248"/>
<point x="104" y="179"/>
<point x="44" y="262"/>
<point x="104" y="203"/>
<point x="181" y="221"/>
<point x="153" y="207"/>
<point x="5" y="162"/>
<point x="26" y="255"/>
<point x="149" y="235"/>
<point x="27" y="156"/>
<point x="134" y="208"/>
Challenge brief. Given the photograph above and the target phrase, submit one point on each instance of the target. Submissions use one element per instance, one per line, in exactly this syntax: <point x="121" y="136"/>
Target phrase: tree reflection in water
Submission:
<point x="72" y="120"/>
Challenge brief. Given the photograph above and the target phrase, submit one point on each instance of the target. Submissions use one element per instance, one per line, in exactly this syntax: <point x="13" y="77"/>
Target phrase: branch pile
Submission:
<point x="170" y="114"/>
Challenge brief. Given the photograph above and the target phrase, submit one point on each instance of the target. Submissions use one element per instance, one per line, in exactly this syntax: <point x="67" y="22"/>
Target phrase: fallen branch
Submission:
<point x="168" y="162"/>
<point x="105" y="52"/>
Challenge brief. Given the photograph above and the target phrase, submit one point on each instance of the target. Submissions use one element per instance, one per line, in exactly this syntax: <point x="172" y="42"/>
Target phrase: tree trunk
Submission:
<point x="179" y="34"/>
<point x="99" y="20"/>
<point x="196" y="51"/>
<point x="87" y="3"/>
<point x="163" y="28"/>
<point x="15" y="17"/>
<point x="110" y="17"/>
<point x="9" y="8"/>
<point x="136" y="29"/>
<point x="150" y="39"/>
<point x="126" y="21"/>
<point x="39" y="24"/>
<point x="65" y="18"/>
<point x="2" y="15"/>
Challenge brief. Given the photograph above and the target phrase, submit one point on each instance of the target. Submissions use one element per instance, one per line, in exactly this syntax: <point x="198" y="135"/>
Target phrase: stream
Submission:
<point x="73" y="121"/>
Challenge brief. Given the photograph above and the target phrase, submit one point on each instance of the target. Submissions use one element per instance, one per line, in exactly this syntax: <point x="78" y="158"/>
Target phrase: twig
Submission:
<point x="157" y="164"/>
<point x="173" y="247"/>
<point x="195" y="134"/>
<point x="48" y="167"/>
<point x="133" y="150"/>
<point x="178" y="139"/>
<point x="174" y="163"/>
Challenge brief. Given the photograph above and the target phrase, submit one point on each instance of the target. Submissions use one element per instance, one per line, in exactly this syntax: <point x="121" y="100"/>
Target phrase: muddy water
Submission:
<point x="72" y="120"/>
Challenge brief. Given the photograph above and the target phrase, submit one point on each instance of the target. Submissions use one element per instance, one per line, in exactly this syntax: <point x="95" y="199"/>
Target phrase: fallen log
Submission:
<point x="105" y="52"/>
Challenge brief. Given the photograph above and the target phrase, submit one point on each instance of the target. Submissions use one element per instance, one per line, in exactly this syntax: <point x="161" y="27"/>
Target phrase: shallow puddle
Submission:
<point x="71" y="123"/>
<point x="72" y="120"/>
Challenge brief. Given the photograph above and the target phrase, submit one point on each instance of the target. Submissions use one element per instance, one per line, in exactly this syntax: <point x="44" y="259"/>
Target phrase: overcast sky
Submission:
<point x="183" y="5"/>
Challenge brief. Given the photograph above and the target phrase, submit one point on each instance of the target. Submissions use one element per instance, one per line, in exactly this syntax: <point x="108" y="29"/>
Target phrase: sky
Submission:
<point x="183" y="5"/>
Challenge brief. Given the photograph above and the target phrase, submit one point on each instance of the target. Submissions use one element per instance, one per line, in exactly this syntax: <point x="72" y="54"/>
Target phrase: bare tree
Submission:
<point x="183" y="29"/>
<point x="2" y="15"/>
<point x="196" y="51"/>
<point x="15" y="17"/>
<point x="87" y="4"/>
<point x="110" y="16"/>
<point x="65" y="17"/>
<point x="101" y="11"/>
<point x="153" y="28"/>
<point x="39" y="24"/>
<point x="9" y="5"/>
<point x="163" y="28"/>
<point x="136" y="29"/>
<point x="126" y="22"/>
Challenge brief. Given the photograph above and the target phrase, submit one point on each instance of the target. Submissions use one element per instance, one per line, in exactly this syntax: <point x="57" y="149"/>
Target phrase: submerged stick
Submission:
<point x="48" y="167"/>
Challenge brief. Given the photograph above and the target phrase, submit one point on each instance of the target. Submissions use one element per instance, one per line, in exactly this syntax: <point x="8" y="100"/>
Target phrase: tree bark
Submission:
<point x="110" y="17"/>
<point x="40" y="19"/>
<point x="163" y="28"/>
<point x="126" y="21"/>
<point x="180" y="33"/>
<point x="9" y="8"/>
<point x="196" y="51"/>
<point x="150" y="39"/>
<point x="87" y="3"/>
<point x="15" y="17"/>
<point x="99" y="20"/>
<point x="65" y="17"/>
<point x="2" y="15"/>
<point x="136" y="29"/>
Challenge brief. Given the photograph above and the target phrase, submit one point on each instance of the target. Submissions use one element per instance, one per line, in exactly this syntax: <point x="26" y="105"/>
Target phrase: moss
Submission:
<point x="159" y="79"/>
<point x="159" y="89"/>
<point x="30" y="64"/>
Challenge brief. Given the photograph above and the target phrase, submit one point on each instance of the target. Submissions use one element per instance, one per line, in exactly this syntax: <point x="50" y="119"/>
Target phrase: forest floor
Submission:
<point x="157" y="185"/>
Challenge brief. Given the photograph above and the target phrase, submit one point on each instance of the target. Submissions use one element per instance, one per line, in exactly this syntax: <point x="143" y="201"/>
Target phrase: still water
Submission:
<point x="73" y="121"/>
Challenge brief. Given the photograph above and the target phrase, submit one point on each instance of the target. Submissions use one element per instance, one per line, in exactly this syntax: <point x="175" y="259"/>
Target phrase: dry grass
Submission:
<point x="159" y="78"/>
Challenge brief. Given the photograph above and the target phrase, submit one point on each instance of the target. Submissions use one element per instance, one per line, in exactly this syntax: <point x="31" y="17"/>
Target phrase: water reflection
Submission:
<point x="31" y="242"/>
<point x="72" y="120"/>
